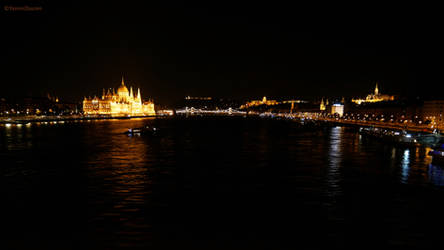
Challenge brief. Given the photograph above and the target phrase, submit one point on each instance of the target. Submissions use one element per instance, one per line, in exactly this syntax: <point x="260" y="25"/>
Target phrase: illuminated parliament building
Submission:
<point x="123" y="102"/>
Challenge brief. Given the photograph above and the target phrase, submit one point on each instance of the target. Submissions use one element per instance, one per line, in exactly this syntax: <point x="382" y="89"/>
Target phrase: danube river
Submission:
<point x="213" y="183"/>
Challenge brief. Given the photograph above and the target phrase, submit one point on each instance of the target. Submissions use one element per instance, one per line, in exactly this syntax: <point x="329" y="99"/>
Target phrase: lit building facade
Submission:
<point x="433" y="111"/>
<point x="37" y="105"/>
<point x="123" y="102"/>
<point x="375" y="97"/>
<point x="337" y="108"/>
<point x="264" y="101"/>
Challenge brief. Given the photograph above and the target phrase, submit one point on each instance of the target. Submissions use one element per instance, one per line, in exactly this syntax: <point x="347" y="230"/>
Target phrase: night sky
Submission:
<point x="236" y="50"/>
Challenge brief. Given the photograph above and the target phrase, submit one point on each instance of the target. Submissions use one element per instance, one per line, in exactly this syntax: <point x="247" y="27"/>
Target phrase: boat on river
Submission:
<point x="437" y="154"/>
<point x="401" y="138"/>
<point x="147" y="130"/>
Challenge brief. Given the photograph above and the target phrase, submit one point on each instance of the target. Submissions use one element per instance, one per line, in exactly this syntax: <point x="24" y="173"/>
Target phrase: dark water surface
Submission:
<point x="214" y="183"/>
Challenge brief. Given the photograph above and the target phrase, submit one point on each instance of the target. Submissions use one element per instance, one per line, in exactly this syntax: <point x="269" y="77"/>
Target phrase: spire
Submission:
<point x="131" y="93"/>
<point x="322" y="106"/>
<point x="376" y="89"/>
<point x="138" y="94"/>
<point x="123" y="83"/>
<point x="103" y="94"/>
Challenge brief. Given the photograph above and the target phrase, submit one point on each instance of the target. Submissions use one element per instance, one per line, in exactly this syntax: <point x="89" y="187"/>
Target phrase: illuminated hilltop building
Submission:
<point x="121" y="103"/>
<point x="264" y="101"/>
<point x="197" y="98"/>
<point x="376" y="97"/>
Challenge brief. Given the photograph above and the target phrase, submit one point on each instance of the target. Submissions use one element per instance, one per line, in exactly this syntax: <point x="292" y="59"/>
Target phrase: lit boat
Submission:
<point x="142" y="130"/>
<point x="437" y="155"/>
<point x="400" y="138"/>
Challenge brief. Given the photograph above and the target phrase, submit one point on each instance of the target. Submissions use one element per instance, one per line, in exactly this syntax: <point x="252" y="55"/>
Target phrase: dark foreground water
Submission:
<point x="214" y="183"/>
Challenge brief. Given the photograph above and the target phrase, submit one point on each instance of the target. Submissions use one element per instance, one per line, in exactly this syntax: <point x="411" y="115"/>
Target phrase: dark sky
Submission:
<point x="237" y="50"/>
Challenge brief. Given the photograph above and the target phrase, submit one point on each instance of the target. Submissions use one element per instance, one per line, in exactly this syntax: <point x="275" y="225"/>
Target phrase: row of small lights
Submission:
<point x="37" y="112"/>
<point x="366" y="117"/>
<point x="8" y="125"/>
<point x="317" y="115"/>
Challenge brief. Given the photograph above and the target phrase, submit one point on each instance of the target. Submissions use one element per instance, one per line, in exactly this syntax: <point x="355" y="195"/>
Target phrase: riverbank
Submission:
<point x="30" y="119"/>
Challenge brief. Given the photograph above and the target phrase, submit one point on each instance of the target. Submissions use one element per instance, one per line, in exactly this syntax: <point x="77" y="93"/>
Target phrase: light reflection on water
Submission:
<point x="119" y="171"/>
<point x="405" y="166"/>
<point x="143" y="188"/>
<point x="117" y="147"/>
<point x="334" y="162"/>
<point x="436" y="175"/>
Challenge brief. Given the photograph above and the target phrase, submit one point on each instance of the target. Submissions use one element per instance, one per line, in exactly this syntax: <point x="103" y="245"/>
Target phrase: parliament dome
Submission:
<point x="122" y="89"/>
